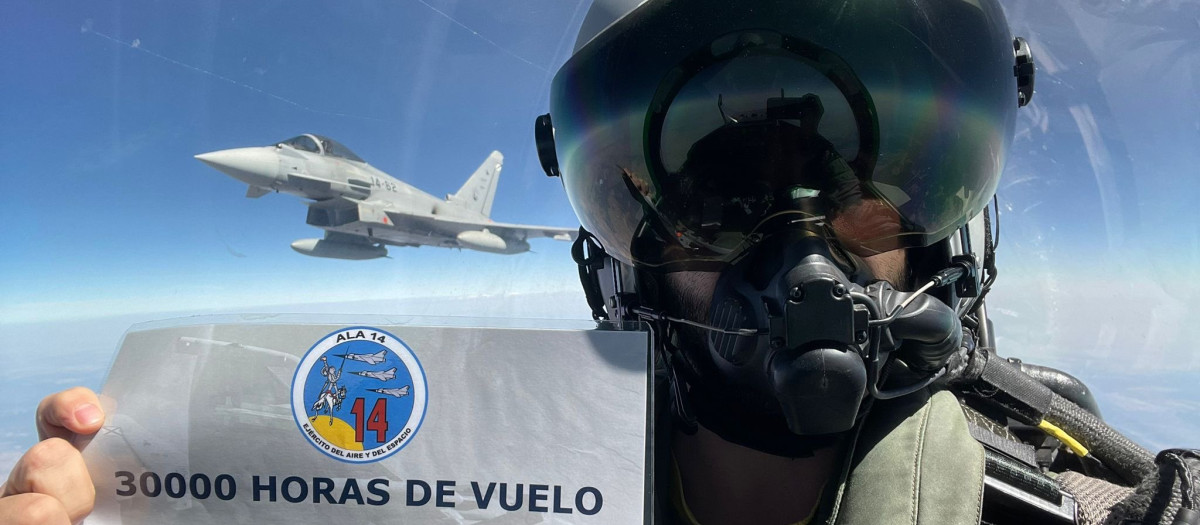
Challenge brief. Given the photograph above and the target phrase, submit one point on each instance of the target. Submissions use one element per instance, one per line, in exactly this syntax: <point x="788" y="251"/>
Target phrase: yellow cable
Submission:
<point x="1066" y="439"/>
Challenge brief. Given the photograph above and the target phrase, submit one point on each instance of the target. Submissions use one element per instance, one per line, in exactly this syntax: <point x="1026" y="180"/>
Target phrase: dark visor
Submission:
<point x="684" y="135"/>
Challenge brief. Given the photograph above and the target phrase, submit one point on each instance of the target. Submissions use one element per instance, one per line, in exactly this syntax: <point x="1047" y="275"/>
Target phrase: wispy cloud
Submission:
<point x="484" y="38"/>
<point x="88" y="27"/>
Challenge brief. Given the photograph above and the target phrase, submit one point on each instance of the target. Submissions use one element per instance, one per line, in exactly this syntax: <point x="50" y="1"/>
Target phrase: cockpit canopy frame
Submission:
<point x="321" y="145"/>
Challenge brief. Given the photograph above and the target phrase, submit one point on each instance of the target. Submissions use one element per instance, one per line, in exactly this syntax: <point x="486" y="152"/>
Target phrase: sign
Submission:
<point x="217" y="420"/>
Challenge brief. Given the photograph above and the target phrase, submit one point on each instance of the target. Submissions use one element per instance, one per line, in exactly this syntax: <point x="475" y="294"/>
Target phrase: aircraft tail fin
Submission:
<point x="480" y="190"/>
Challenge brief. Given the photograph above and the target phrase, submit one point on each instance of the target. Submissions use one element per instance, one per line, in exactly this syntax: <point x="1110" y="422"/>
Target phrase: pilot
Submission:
<point x="793" y="195"/>
<point x="770" y="179"/>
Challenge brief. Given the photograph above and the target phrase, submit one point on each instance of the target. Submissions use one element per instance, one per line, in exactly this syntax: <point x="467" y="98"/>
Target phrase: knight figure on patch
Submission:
<point x="359" y="394"/>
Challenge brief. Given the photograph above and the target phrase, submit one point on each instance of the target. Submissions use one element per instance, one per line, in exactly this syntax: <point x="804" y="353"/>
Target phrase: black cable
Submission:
<point x="1063" y="384"/>
<point x="1126" y="458"/>
<point x="1187" y="483"/>
<point x="1003" y="384"/>
<point x="947" y="276"/>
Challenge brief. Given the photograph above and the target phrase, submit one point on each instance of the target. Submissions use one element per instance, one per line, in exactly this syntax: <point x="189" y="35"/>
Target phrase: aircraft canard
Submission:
<point x="364" y="210"/>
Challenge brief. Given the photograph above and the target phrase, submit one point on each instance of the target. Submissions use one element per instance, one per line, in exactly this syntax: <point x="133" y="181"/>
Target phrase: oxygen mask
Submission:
<point x="803" y="328"/>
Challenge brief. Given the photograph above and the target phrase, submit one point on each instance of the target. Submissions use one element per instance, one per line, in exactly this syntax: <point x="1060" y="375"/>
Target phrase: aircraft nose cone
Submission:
<point x="254" y="166"/>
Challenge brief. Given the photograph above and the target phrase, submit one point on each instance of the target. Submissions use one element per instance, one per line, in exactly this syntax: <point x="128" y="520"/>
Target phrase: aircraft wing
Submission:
<point x="420" y="222"/>
<point x="453" y="227"/>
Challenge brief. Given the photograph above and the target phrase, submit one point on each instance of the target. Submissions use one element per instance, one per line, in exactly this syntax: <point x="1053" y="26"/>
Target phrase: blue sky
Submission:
<point x="115" y="98"/>
<point x="106" y="213"/>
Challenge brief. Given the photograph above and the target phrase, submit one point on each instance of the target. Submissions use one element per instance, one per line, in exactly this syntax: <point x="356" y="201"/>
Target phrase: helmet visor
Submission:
<point x="685" y="138"/>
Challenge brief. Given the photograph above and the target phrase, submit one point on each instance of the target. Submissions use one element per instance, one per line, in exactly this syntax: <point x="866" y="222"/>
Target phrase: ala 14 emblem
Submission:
<point x="359" y="395"/>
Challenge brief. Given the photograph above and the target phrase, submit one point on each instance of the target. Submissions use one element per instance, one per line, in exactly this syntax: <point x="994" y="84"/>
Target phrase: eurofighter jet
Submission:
<point x="363" y="210"/>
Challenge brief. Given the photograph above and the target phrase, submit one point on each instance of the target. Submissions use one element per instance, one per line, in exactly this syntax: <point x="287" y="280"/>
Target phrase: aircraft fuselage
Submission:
<point x="363" y="208"/>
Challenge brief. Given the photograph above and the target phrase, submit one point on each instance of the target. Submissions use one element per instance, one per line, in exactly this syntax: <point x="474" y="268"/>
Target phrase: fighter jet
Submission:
<point x="363" y="210"/>
<point x="386" y="375"/>
<point x="395" y="392"/>
<point x="370" y="359"/>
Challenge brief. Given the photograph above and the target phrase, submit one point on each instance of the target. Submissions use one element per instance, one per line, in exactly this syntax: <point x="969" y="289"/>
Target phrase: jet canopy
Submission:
<point x="322" y="145"/>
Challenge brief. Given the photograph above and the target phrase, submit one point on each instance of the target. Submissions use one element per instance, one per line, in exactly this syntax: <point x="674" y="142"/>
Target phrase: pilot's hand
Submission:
<point x="50" y="484"/>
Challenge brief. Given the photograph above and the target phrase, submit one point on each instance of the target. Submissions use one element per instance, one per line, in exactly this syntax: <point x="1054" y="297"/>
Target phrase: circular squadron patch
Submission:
<point x="359" y="394"/>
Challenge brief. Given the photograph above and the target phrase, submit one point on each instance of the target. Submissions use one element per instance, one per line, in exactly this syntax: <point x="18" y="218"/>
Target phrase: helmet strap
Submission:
<point x="590" y="258"/>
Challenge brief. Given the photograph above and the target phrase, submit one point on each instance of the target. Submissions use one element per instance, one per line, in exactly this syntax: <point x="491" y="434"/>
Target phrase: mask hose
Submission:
<point x="928" y="331"/>
<point x="1001" y="383"/>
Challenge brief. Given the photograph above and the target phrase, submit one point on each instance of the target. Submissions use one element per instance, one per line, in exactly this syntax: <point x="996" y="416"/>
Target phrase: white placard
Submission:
<point x="218" y="420"/>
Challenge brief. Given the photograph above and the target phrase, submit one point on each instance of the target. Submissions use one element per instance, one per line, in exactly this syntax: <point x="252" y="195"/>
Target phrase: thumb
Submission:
<point x="69" y="413"/>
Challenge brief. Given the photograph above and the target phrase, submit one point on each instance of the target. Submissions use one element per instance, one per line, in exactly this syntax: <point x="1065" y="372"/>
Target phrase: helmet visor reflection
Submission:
<point x="683" y="140"/>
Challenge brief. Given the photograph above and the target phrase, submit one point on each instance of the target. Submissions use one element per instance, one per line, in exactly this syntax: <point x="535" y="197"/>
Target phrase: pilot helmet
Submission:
<point x="701" y="135"/>
<point x="694" y="118"/>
